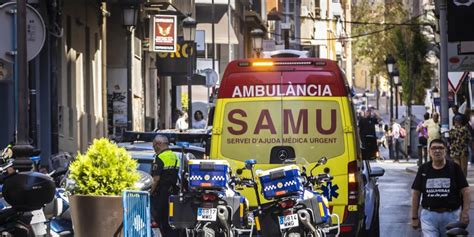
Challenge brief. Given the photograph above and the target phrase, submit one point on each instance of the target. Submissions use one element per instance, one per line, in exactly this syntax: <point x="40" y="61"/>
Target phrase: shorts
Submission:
<point x="422" y="141"/>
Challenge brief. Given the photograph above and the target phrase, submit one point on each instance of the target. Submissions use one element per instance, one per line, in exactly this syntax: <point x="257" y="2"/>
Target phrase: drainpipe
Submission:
<point x="53" y="42"/>
<point x="105" y="14"/>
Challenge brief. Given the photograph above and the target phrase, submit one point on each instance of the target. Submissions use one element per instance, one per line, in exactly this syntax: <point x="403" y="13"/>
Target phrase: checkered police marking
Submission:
<point x="290" y="183"/>
<point x="195" y="177"/>
<point x="270" y="188"/>
<point x="220" y="178"/>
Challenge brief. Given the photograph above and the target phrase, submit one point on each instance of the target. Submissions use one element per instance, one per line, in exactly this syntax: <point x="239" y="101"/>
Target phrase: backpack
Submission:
<point x="403" y="132"/>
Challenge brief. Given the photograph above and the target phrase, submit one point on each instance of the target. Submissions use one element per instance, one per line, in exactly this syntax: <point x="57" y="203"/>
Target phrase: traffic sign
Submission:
<point x="35" y="32"/>
<point x="455" y="79"/>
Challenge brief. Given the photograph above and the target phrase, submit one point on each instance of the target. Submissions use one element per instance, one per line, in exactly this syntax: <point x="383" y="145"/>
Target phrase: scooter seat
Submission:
<point x="457" y="232"/>
<point x="7" y="213"/>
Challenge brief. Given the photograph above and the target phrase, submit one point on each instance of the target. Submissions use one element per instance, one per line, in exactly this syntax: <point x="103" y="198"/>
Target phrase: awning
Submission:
<point x="220" y="32"/>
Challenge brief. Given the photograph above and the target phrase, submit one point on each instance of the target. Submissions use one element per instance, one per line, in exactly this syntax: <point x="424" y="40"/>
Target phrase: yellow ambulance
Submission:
<point x="276" y="109"/>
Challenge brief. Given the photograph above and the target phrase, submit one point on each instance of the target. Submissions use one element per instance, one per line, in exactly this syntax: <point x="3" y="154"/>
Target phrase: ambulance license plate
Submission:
<point x="207" y="214"/>
<point x="288" y="221"/>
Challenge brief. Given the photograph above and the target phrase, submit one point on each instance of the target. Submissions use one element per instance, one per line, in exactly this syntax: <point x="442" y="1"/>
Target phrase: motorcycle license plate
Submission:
<point x="288" y="221"/>
<point x="207" y="214"/>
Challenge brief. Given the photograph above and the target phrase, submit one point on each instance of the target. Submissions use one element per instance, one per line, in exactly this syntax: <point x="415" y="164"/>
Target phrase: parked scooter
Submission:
<point x="26" y="193"/>
<point x="294" y="209"/>
<point x="207" y="205"/>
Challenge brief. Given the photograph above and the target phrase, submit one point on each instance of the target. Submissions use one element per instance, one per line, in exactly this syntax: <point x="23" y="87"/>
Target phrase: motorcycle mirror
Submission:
<point x="250" y="163"/>
<point x="183" y="144"/>
<point x="323" y="160"/>
<point x="239" y="171"/>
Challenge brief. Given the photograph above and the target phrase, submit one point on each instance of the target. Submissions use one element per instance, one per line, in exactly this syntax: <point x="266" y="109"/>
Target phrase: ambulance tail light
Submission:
<point x="353" y="191"/>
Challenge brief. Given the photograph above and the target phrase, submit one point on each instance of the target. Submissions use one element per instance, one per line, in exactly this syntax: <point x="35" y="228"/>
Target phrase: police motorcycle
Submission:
<point x="294" y="210"/>
<point x="25" y="194"/>
<point x="207" y="205"/>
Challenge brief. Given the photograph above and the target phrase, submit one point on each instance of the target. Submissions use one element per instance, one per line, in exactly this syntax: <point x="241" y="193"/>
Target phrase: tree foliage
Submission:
<point x="105" y="169"/>
<point x="406" y="43"/>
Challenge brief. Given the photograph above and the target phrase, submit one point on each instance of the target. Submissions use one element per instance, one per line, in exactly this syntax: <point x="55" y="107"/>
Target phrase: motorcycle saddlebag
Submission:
<point x="27" y="191"/>
<point x="239" y="213"/>
<point x="319" y="206"/>
<point x="182" y="214"/>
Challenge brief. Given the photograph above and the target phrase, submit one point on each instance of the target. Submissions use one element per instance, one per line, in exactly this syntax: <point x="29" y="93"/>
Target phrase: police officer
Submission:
<point x="165" y="177"/>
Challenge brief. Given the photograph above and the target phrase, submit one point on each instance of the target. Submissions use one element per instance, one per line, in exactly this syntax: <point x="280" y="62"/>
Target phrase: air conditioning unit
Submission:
<point x="336" y="9"/>
<point x="317" y="12"/>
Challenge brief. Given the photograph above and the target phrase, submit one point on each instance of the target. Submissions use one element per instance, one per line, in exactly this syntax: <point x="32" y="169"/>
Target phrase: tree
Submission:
<point x="406" y="42"/>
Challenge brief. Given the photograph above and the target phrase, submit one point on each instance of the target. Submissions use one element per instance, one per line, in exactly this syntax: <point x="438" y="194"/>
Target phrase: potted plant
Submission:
<point x="100" y="176"/>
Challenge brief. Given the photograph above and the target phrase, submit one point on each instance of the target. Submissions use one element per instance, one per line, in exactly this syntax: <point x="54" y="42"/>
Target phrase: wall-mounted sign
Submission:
<point x="35" y="32"/>
<point x="200" y="40"/>
<point x="459" y="58"/>
<point x="172" y="64"/>
<point x="163" y="30"/>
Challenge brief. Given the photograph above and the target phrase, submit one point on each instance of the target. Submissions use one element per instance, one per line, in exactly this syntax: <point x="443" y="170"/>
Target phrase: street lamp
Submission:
<point x="396" y="82"/>
<point x="257" y="40"/>
<point x="390" y="61"/>
<point x="189" y="34"/>
<point x="129" y="13"/>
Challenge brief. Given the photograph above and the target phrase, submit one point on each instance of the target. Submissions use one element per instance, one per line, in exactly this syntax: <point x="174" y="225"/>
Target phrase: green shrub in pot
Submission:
<point x="105" y="169"/>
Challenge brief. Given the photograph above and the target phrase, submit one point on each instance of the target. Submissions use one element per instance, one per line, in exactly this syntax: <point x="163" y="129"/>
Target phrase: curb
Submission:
<point x="412" y="169"/>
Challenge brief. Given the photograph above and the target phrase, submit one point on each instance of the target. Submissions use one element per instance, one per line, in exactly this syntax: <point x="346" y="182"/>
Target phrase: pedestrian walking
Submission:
<point x="367" y="125"/>
<point x="388" y="140"/>
<point x="367" y="128"/>
<point x="182" y="122"/>
<point x="459" y="137"/>
<point x="165" y="177"/>
<point x="455" y="110"/>
<point x="422" y="140"/>
<point x="444" y="193"/>
<point x="433" y="127"/>
<point x="199" y="121"/>
<point x="398" y="134"/>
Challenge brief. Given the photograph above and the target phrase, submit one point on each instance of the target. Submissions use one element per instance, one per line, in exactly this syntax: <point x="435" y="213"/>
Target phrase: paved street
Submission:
<point x="395" y="190"/>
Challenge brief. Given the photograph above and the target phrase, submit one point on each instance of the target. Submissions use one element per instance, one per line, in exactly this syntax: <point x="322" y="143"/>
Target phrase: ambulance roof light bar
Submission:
<point x="280" y="63"/>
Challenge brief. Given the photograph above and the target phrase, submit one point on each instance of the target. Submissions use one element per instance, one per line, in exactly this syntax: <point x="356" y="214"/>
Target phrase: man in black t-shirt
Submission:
<point x="444" y="193"/>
